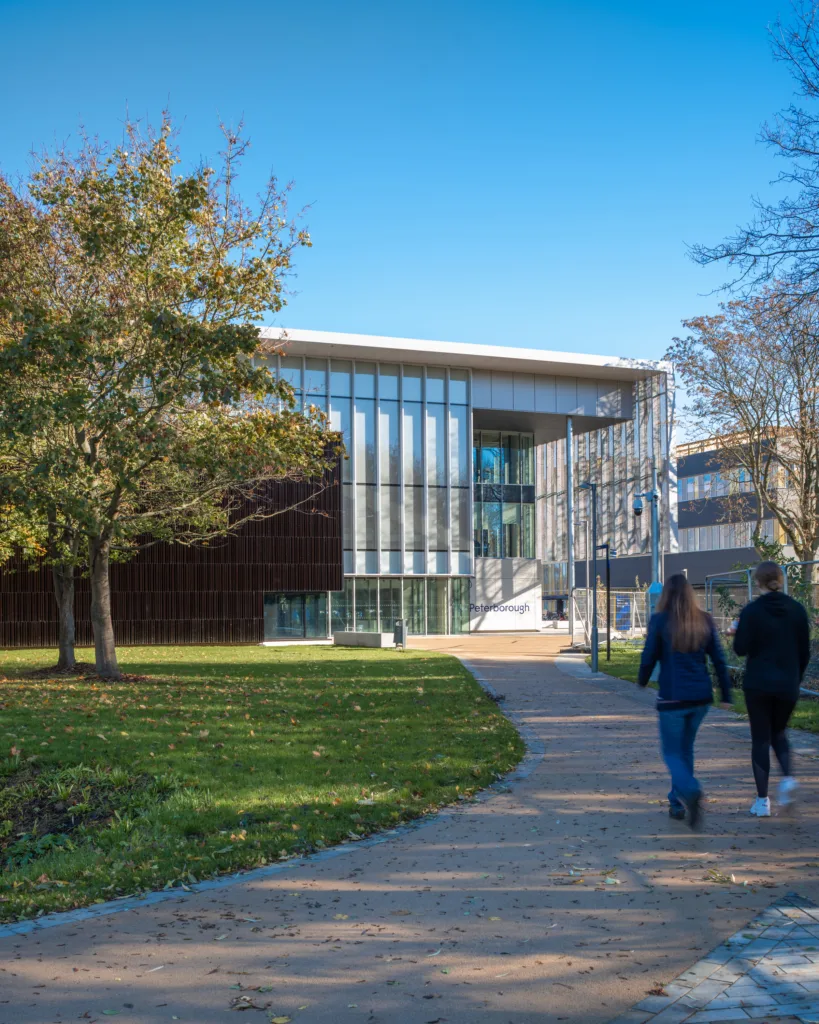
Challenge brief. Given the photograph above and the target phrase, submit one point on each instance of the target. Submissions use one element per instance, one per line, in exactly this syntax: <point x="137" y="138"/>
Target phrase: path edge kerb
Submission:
<point x="533" y="755"/>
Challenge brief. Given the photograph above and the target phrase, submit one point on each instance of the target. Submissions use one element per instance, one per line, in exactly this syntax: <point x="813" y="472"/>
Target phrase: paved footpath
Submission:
<point x="566" y="896"/>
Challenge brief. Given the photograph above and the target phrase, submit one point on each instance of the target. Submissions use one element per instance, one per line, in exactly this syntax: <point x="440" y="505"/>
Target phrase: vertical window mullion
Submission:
<point x="448" y="475"/>
<point x="377" y="432"/>
<point x="470" y="435"/>
<point x="353" y="475"/>
<point x="401" y="487"/>
<point x="425" y="469"/>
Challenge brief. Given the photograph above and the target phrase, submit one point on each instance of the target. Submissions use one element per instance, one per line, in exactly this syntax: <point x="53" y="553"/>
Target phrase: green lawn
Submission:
<point x="212" y="759"/>
<point x="625" y="660"/>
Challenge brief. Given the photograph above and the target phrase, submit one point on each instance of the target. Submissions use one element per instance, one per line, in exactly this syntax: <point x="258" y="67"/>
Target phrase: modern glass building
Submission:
<point x="455" y="502"/>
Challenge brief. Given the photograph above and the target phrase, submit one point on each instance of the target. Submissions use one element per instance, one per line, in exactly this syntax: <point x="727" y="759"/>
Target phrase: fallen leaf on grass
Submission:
<point x="280" y="1020"/>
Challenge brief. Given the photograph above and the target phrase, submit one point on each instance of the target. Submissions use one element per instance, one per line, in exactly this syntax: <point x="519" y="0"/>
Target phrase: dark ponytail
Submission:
<point x="769" y="575"/>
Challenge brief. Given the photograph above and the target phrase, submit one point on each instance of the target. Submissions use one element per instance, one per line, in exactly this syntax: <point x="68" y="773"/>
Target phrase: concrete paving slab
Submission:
<point x="567" y="896"/>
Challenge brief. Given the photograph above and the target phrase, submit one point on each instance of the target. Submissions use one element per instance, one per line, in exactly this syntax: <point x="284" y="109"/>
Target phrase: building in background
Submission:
<point x="717" y="511"/>
<point x="450" y="510"/>
<point x="455" y="502"/>
<point x="622" y="458"/>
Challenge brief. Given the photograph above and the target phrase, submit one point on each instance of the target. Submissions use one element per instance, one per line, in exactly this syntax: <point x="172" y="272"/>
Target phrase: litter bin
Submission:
<point x="400" y="634"/>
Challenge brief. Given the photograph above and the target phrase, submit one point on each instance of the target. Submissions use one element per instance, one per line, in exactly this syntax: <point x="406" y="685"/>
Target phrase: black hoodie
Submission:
<point x="774" y="633"/>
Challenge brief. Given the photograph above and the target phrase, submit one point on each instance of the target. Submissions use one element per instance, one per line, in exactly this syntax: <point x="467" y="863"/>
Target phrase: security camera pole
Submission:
<point x="594" y="639"/>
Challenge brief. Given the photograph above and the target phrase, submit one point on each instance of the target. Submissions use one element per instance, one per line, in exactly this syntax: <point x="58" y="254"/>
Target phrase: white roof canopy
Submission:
<point x="444" y="353"/>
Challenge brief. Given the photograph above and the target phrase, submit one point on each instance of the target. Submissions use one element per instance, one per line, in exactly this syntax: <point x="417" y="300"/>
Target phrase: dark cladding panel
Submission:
<point x="209" y="594"/>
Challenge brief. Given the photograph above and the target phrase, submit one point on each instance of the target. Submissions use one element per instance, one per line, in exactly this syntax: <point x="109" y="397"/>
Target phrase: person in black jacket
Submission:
<point x="773" y="634"/>
<point x="680" y="636"/>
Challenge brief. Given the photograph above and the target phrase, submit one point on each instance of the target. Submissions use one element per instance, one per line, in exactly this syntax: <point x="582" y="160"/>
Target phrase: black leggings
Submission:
<point x="769" y="717"/>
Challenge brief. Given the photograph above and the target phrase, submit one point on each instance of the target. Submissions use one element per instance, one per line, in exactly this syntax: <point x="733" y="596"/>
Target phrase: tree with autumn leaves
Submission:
<point x="752" y="373"/>
<point x="132" y="410"/>
<point x="752" y="369"/>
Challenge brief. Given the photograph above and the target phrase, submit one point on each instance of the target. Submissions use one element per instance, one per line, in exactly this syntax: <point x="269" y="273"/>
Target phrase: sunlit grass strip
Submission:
<point x="226" y="758"/>
<point x="625" y="662"/>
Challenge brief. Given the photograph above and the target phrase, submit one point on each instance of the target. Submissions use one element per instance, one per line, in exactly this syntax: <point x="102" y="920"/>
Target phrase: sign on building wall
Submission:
<point x="505" y="595"/>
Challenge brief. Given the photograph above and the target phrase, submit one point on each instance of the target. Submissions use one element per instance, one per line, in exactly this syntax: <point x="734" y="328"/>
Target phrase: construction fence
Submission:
<point x="628" y="614"/>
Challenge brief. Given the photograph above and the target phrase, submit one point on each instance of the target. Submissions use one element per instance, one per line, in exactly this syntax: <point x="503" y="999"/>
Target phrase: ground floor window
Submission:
<point x="428" y="604"/>
<point x="295" y="616"/>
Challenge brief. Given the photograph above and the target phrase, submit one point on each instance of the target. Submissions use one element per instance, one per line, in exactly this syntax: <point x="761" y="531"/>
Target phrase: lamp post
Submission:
<point x="585" y="522"/>
<point x="609" y="555"/>
<point x="589" y="486"/>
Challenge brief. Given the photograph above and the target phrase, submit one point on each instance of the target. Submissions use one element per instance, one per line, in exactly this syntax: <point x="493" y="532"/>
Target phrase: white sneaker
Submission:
<point x="787" y="791"/>
<point x="761" y="807"/>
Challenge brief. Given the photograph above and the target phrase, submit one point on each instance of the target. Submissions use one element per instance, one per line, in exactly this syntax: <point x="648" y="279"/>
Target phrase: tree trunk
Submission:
<point x="64" y="594"/>
<point x="105" y="650"/>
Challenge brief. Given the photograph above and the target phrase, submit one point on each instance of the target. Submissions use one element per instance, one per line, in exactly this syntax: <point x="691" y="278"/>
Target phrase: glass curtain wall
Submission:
<point x="406" y="476"/>
<point x="504" y="478"/>
<point x="620" y="459"/>
<point x="431" y="604"/>
<point x="407" y="494"/>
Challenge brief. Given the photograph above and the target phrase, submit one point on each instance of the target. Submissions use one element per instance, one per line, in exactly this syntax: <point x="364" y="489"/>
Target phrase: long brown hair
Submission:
<point x="688" y="624"/>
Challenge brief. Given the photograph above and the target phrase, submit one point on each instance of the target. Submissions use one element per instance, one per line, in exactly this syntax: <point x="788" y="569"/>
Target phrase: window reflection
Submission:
<point x="504" y="472"/>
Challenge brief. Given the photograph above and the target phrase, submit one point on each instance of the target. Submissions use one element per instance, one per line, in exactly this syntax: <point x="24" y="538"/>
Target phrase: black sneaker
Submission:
<point x="695" y="813"/>
<point x="677" y="812"/>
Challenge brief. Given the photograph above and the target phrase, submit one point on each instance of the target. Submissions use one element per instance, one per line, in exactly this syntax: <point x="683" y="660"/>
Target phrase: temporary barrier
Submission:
<point x="627" y="613"/>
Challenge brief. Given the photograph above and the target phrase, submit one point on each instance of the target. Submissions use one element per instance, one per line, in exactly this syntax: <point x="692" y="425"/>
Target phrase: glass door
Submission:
<point x="315" y="615"/>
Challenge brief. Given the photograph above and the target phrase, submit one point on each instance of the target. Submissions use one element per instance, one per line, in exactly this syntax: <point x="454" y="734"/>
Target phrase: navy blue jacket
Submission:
<point x="684" y="677"/>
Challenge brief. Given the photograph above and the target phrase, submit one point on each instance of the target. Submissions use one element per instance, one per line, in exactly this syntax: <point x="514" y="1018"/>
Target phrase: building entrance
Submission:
<point x="295" y="616"/>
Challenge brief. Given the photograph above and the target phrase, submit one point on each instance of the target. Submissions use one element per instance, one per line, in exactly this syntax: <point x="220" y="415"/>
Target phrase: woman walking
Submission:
<point x="680" y="637"/>
<point x="773" y="634"/>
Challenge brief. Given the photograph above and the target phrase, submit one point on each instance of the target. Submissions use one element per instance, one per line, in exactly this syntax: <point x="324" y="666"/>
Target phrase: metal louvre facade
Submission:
<point x="171" y="594"/>
<point x="620" y="458"/>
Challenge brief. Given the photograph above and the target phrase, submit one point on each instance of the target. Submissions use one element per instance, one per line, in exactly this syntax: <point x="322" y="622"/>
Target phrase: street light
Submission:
<point x="588" y="486"/>
<point x="610" y="553"/>
<point x="585" y="522"/>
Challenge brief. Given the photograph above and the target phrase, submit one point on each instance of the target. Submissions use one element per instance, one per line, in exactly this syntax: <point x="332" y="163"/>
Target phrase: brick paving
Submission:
<point x="566" y="895"/>
<point x="767" y="971"/>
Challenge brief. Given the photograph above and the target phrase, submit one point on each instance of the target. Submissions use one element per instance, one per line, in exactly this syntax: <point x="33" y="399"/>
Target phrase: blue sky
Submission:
<point x="522" y="173"/>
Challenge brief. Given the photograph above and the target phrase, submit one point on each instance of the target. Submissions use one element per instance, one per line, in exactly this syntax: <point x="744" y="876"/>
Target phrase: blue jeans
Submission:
<point x="678" y="730"/>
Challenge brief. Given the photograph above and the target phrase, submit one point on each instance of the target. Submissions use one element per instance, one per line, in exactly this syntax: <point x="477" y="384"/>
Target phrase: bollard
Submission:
<point x="400" y="634"/>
